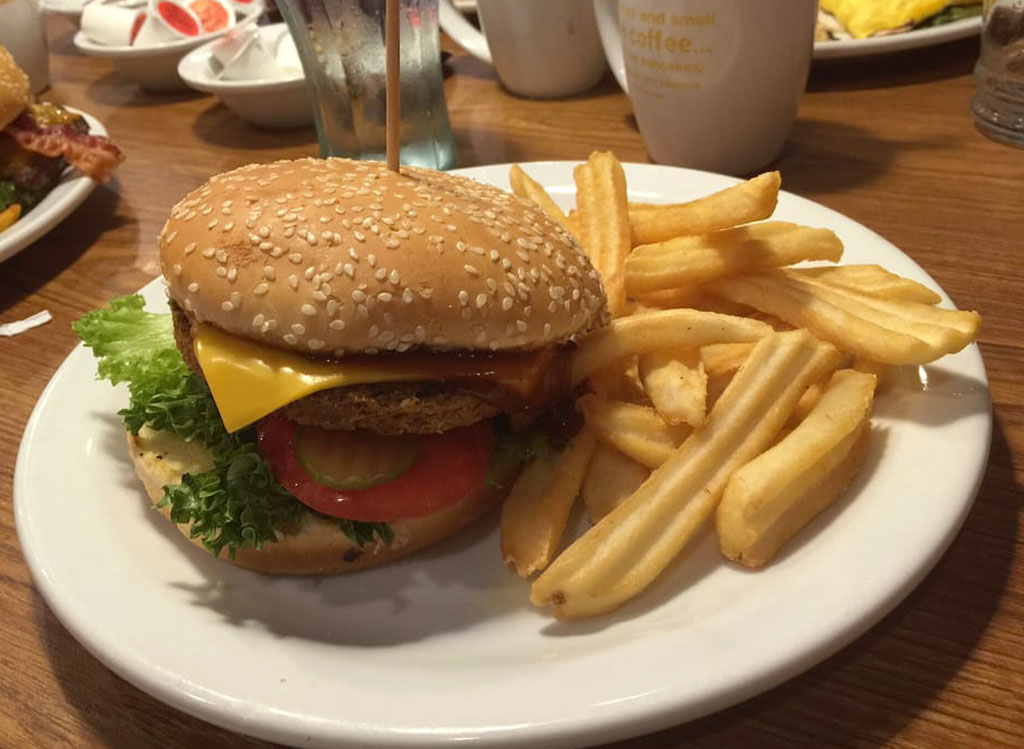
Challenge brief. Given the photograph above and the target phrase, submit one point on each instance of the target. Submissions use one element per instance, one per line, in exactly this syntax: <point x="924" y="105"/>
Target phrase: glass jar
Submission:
<point x="998" y="105"/>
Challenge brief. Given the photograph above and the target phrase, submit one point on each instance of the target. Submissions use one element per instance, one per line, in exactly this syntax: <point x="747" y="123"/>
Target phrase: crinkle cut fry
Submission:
<point x="627" y="550"/>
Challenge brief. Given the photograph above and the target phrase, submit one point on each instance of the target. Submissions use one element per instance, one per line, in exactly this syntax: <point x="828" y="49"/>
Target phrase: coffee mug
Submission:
<point x="715" y="84"/>
<point x="21" y="31"/>
<point x="540" y="48"/>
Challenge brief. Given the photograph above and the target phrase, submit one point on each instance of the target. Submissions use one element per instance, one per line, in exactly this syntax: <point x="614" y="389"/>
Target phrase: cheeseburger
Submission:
<point x="354" y="362"/>
<point x="38" y="140"/>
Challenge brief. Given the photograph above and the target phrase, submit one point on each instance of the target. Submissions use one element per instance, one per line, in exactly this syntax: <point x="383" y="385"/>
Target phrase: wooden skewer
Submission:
<point x="392" y="31"/>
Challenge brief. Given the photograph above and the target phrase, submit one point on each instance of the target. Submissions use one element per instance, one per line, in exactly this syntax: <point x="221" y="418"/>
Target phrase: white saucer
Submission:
<point x="278" y="102"/>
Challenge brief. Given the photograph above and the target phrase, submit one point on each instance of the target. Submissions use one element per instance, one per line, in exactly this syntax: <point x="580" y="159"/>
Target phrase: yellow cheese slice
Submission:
<point x="249" y="381"/>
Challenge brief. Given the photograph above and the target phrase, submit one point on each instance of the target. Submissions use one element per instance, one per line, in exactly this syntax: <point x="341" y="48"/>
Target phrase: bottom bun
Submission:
<point x="318" y="547"/>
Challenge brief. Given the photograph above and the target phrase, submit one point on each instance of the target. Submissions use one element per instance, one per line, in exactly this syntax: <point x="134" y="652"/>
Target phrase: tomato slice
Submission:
<point x="449" y="468"/>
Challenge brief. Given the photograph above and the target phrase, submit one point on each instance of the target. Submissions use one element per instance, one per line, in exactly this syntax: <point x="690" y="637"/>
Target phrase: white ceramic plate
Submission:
<point x="154" y="66"/>
<point x="445" y="646"/>
<point x="73" y="188"/>
<point x="270" y="102"/>
<point x="880" y="45"/>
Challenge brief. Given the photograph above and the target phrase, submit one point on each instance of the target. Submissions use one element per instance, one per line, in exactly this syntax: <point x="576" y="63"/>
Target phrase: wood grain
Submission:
<point x="887" y="141"/>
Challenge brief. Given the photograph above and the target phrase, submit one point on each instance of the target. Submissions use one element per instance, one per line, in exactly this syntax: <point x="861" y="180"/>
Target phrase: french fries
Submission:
<point x="873" y="280"/>
<point x="748" y="201"/>
<point x="621" y="555"/>
<point x="676" y="383"/>
<point x="611" y="478"/>
<point x="9" y="215"/>
<point x="690" y="261"/>
<point x="636" y="431"/>
<point x="662" y="329"/>
<point x="604" y="228"/>
<point x="534" y="515"/>
<point x="777" y="493"/>
<point x="884" y="330"/>
<point x="526" y="187"/>
<point x="714" y="390"/>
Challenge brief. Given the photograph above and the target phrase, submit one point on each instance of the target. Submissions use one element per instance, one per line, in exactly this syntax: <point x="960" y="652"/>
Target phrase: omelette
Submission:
<point x="864" y="18"/>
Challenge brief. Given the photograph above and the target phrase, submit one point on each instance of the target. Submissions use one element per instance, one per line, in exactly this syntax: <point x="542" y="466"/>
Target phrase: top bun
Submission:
<point x="14" y="88"/>
<point x="329" y="257"/>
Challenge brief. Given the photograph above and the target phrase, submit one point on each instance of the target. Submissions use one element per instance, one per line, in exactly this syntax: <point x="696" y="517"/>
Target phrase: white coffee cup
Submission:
<point x="21" y="31"/>
<point x="540" y="48"/>
<point x="715" y="84"/>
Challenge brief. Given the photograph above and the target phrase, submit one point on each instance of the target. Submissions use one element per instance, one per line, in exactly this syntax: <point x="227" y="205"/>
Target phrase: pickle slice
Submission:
<point x="354" y="460"/>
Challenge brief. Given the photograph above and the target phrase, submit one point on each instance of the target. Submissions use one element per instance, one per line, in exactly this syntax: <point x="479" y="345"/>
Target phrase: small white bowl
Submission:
<point x="268" y="102"/>
<point x="155" y="66"/>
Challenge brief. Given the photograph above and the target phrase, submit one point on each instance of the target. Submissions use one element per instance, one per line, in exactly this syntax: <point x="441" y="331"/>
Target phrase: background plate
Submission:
<point x="73" y="188"/>
<point x="881" y="45"/>
<point x="445" y="646"/>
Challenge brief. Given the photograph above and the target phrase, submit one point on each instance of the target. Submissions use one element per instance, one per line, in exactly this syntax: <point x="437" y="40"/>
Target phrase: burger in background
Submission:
<point x="38" y="141"/>
<point x="355" y="360"/>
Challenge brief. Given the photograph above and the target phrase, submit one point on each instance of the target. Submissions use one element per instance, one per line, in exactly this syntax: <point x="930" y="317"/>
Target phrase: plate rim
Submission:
<point x="73" y="188"/>
<point x="844" y="49"/>
<point x="660" y="710"/>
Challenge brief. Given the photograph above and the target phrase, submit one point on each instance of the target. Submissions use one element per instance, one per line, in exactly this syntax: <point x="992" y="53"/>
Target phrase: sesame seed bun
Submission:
<point x="14" y="88"/>
<point x="318" y="547"/>
<point x="335" y="256"/>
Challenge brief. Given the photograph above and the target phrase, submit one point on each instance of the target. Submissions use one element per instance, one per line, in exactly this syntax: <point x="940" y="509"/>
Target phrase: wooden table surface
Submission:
<point x="887" y="141"/>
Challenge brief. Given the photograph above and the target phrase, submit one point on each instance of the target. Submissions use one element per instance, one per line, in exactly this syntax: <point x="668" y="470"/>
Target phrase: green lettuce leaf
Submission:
<point x="238" y="504"/>
<point x="511" y="450"/>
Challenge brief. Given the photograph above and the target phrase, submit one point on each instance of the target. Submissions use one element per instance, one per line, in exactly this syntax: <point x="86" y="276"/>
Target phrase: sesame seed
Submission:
<point x="236" y="298"/>
<point x="169" y="237"/>
<point x="337" y="325"/>
<point x="463" y="298"/>
<point x="358" y="296"/>
<point x="232" y="274"/>
<point x="295" y="258"/>
<point x="360" y="237"/>
<point x="290" y="339"/>
<point x="222" y="257"/>
<point x="298" y="328"/>
<point x="315" y="344"/>
<point x="308" y="310"/>
<point x="222" y="272"/>
<point x="261" y="289"/>
<point x="293" y="281"/>
<point x="373" y="332"/>
<point x="308" y="275"/>
<point x="258" y="321"/>
<point x="177" y="269"/>
<point x="269" y="272"/>
<point x="394" y="277"/>
<point x="407" y="296"/>
<point x="227" y="306"/>
<point x="228" y="226"/>
<point x="471" y="270"/>
<point x="506" y="303"/>
<point x="477" y="249"/>
<point x="547" y="329"/>
<point x="481" y="300"/>
<point x="209" y="252"/>
<point x="384" y="297"/>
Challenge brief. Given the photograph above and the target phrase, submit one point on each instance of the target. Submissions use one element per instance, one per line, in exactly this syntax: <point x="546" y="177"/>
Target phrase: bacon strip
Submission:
<point x="93" y="155"/>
